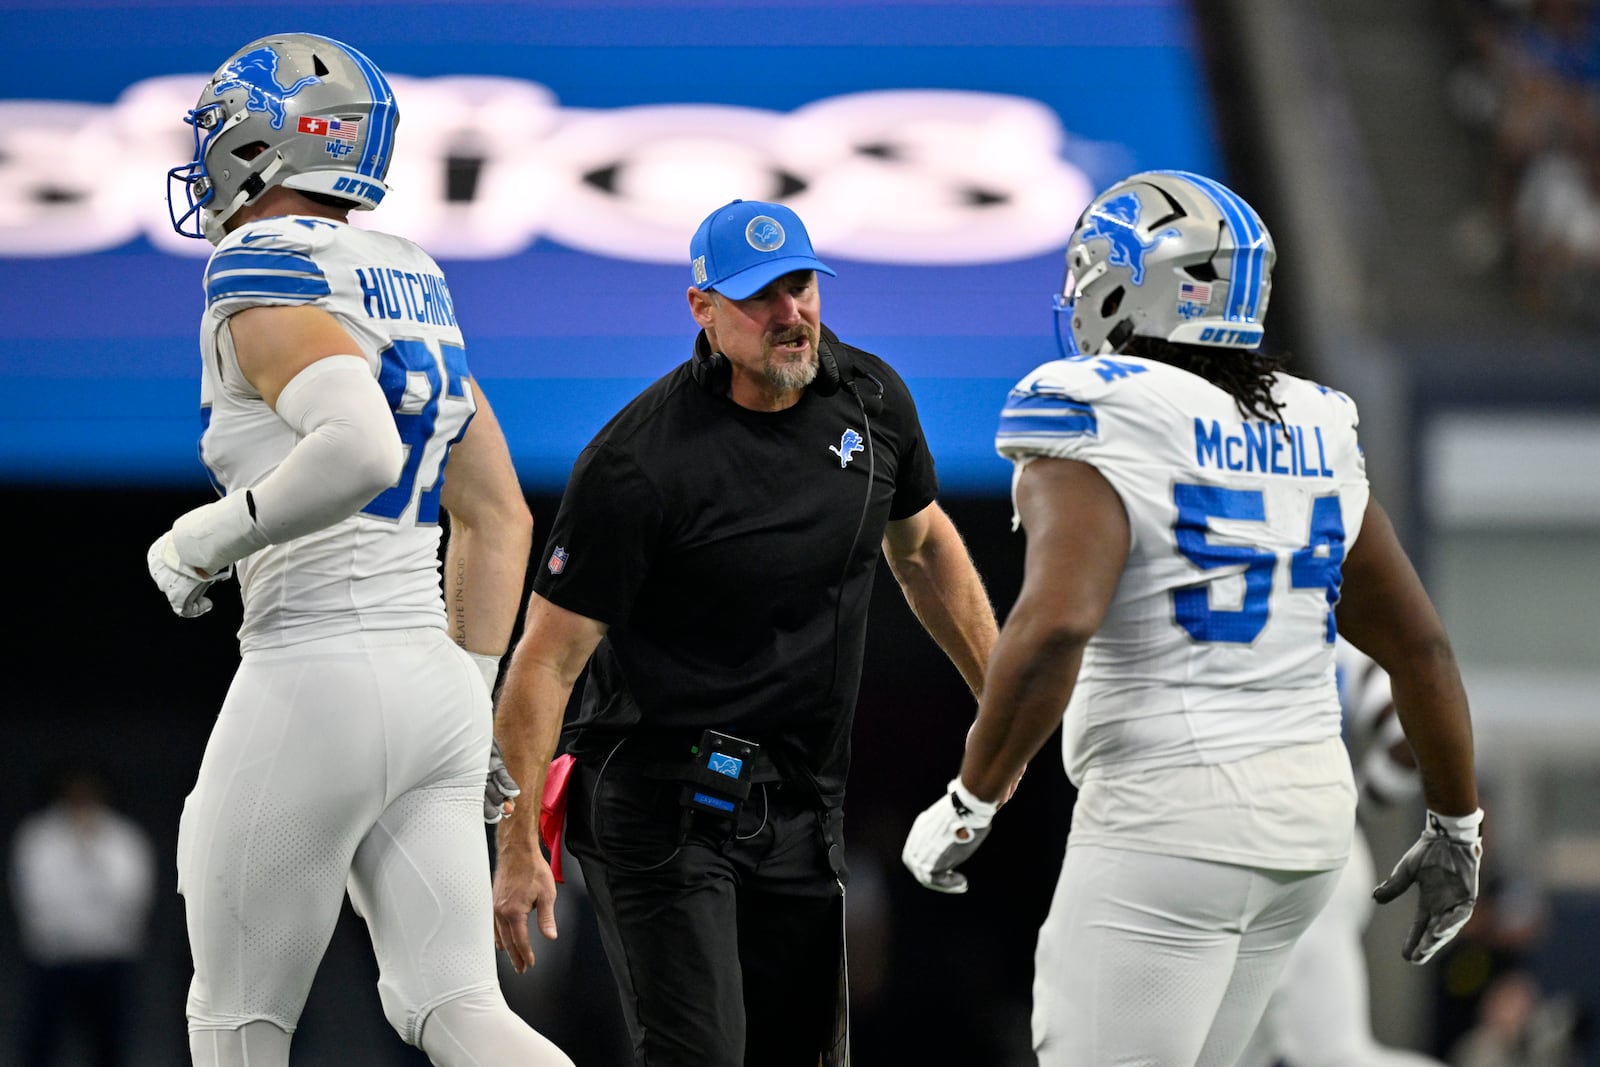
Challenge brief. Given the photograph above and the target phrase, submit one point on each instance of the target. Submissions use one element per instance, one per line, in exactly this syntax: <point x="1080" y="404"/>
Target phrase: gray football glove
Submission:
<point x="1443" y="865"/>
<point x="500" y="790"/>
<point x="944" y="836"/>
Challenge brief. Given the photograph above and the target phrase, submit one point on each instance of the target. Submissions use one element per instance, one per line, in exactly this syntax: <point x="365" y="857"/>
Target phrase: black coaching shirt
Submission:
<point x="731" y="553"/>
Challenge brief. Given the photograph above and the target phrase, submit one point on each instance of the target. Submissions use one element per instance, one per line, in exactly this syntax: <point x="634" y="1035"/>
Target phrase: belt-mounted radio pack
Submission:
<point x="717" y="781"/>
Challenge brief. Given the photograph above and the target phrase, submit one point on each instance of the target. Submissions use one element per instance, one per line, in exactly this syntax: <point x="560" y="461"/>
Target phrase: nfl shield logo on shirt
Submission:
<point x="558" y="560"/>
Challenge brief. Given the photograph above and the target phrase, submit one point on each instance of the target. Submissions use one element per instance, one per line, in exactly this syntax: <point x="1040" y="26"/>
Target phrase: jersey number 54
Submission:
<point x="1317" y="565"/>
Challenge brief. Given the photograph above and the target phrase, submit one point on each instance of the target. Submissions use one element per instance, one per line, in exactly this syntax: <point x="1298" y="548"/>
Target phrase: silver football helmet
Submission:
<point x="292" y="109"/>
<point x="1170" y="255"/>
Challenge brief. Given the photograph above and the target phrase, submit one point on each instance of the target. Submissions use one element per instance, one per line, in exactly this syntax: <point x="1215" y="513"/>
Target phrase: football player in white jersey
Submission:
<point x="1319" y="1015"/>
<point x="1192" y="515"/>
<point x="340" y="417"/>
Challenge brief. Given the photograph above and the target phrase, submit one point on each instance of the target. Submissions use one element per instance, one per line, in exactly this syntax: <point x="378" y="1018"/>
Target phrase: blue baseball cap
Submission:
<point x="744" y="245"/>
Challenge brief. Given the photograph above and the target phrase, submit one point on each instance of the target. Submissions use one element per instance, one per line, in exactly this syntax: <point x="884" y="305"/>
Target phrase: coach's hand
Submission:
<point x="184" y="585"/>
<point x="522" y="884"/>
<point x="944" y="836"/>
<point x="500" y="790"/>
<point x="1444" y="866"/>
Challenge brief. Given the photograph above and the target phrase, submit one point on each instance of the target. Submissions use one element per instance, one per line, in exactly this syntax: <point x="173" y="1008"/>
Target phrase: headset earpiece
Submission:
<point x="828" y="379"/>
<point x="710" y="370"/>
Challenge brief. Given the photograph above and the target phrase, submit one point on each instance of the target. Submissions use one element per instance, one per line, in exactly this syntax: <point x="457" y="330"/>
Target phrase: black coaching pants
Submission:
<point x="726" y="943"/>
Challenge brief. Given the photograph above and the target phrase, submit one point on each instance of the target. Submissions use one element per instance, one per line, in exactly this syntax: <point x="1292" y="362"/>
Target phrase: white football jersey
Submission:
<point x="1218" y="644"/>
<point x="378" y="569"/>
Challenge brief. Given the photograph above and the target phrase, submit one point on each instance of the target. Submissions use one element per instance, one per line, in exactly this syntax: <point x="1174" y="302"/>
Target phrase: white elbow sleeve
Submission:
<point x="349" y="450"/>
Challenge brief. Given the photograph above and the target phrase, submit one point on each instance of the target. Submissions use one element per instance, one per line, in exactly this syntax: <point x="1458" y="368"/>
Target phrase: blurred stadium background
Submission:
<point x="1429" y="168"/>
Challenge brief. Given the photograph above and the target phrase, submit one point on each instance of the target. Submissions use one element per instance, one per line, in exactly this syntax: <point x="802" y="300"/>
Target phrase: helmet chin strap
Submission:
<point x="1118" y="336"/>
<point x="214" y="221"/>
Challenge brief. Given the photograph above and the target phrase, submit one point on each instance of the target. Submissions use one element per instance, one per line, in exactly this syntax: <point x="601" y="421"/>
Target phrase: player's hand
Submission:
<point x="522" y="884"/>
<point x="944" y="835"/>
<point x="184" y="586"/>
<point x="500" y="790"/>
<point x="1443" y="865"/>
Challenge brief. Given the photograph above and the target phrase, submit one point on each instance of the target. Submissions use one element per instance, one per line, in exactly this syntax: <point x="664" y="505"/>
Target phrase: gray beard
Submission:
<point x="786" y="375"/>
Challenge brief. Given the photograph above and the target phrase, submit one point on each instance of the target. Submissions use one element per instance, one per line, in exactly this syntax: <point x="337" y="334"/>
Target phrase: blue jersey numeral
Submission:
<point x="1321" y="563"/>
<point x="1316" y="566"/>
<point x="418" y="424"/>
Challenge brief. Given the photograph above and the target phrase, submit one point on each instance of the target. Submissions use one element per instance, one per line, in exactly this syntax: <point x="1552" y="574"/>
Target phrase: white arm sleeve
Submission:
<point x="349" y="452"/>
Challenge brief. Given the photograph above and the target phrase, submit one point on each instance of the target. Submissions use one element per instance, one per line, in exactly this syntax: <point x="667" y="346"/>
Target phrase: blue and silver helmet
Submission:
<point x="1169" y="255"/>
<point x="293" y="109"/>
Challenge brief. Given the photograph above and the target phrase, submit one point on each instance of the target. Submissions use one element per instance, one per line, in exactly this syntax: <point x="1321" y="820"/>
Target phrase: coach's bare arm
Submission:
<point x="555" y="645"/>
<point x="940" y="583"/>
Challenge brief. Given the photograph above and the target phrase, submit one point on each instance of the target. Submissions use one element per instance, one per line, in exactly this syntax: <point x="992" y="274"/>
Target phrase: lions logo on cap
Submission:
<point x="764" y="234"/>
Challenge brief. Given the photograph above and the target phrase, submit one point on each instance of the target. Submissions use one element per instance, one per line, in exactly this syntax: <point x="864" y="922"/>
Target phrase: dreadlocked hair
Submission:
<point x="1245" y="375"/>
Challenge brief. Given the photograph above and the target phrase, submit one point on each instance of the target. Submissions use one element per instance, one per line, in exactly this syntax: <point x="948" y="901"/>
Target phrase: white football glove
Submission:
<point x="944" y="835"/>
<point x="500" y="790"/>
<point x="185" y="586"/>
<point x="201" y="548"/>
<point x="1444" y="866"/>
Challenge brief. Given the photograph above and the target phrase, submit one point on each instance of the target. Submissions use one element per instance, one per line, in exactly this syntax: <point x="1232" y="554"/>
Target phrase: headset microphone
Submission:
<point x="871" y="402"/>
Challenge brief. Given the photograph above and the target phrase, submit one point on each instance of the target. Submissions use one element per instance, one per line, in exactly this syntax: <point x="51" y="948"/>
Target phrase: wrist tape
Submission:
<point x="974" y="812"/>
<point x="1456" y="827"/>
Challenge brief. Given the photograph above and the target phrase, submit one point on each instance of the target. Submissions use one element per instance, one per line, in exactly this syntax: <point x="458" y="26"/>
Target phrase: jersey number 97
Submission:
<point x="426" y="386"/>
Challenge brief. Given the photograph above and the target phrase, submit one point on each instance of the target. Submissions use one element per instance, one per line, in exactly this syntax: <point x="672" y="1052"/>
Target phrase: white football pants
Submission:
<point x="1320" y="1014"/>
<point x="354" y="762"/>
<point x="1147" y="960"/>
